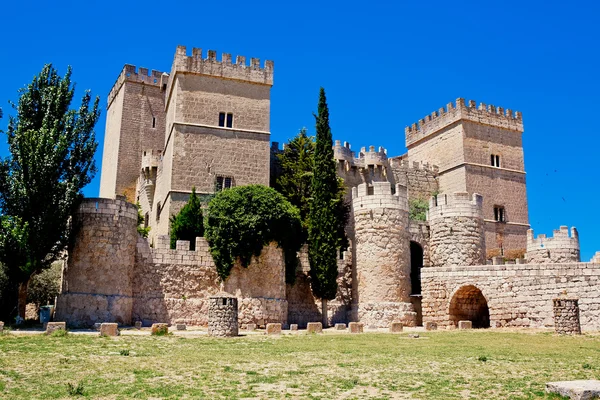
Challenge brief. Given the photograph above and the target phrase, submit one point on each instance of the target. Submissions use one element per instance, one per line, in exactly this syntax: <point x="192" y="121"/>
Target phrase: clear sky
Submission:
<point x="384" y="65"/>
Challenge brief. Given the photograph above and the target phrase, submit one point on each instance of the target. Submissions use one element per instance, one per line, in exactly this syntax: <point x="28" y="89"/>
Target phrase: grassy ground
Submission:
<point x="479" y="364"/>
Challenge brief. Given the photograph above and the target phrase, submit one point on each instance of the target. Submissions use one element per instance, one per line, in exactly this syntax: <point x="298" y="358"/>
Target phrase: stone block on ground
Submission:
<point x="138" y="324"/>
<point x="1" y="326"/>
<point x="251" y="327"/>
<point x="160" y="329"/>
<point x="273" y="329"/>
<point x="465" y="325"/>
<point x="314" y="327"/>
<point x="293" y="327"/>
<point x="430" y="326"/>
<point x="181" y="327"/>
<point x="54" y="326"/>
<point x="356" y="327"/>
<point x="340" y="327"/>
<point x="109" y="329"/>
<point x="576" y="390"/>
<point x="97" y="326"/>
<point x="396" y="327"/>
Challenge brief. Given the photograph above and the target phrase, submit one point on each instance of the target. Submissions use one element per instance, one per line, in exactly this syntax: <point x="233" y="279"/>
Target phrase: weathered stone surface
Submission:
<point x="560" y="248"/>
<point x="396" y="327"/>
<point x="356" y="327"/>
<point x="465" y="325"/>
<point x="250" y="327"/>
<point x="54" y="326"/>
<point x="430" y="326"/>
<point x="109" y="329"/>
<point x="273" y="329"/>
<point x="340" y="327"/>
<point x="1" y="326"/>
<point x="293" y="327"/>
<point x="97" y="326"/>
<point x="223" y="315"/>
<point x="314" y="327"/>
<point x="181" y="327"/>
<point x="138" y="324"/>
<point x="576" y="390"/>
<point x="159" y="329"/>
<point x="566" y="316"/>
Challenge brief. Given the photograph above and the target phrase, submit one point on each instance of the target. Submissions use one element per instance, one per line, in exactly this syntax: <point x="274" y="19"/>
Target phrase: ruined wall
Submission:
<point x="97" y="281"/>
<point x="303" y="307"/>
<point x="174" y="285"/>
<point x="456" y="230"/>
<point x="557" y="249"/>
<point x="382" y="255"/>
<point x="517" y="295"/>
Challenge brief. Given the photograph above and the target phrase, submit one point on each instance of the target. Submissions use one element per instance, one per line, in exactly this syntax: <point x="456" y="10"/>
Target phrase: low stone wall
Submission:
<point x="515" y="295"/>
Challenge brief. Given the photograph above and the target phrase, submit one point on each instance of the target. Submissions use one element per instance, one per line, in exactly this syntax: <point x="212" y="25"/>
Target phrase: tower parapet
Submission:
<point x="130" y="73"/>
<point x="456" y="230"/>
<point x="482" y="114"/>
<point x="560" y="248"/>
<point x="382" y="255"/>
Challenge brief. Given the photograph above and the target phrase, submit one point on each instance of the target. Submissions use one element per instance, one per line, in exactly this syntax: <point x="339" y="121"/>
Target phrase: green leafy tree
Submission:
<point x="142" y="229"/>
<point x="323" y="242"/>
<point x="51" y="159"/>
<point x="188" y="224"/>
<point x="45" y="286"/>
<point x="417" y="209"/>
<point x="244" y="219"/>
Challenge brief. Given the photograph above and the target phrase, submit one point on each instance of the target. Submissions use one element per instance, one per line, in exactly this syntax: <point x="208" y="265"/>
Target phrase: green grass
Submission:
<point x="439" y="365"/>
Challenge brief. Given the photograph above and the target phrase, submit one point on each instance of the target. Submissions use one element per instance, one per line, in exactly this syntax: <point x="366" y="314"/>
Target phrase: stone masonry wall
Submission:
<point x="517" y="295"/>
<point x="97" y="279"/>
<point x="456" y="230"/>
<point x="557" y="249"/>
<point x="382" y="256"/>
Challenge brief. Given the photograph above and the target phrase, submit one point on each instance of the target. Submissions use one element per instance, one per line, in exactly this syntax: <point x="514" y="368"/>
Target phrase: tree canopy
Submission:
<point x="188" y="224"/>
<point x="51" y="159"/>
<point x="242" y="220"/>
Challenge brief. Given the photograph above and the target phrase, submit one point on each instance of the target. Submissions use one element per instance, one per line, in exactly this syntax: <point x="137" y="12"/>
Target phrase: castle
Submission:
<point x="206" y="125"/>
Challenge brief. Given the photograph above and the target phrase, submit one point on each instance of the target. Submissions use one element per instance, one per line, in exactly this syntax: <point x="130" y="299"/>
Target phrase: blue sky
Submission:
<point x="384" y="65"/>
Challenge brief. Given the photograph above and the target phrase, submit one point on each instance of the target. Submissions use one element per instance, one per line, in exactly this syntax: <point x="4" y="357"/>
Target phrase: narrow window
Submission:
<point x="153" y="122"/>
<point x="164" y="87"/>
<point x="227" y="184"/>
<point x="158" y="211"/>
<point x="499" y="214"/>
<point x="229" y="120"/>
<point x="219" y="184"/>
<point x="221" y="119"/>
<point x="146" y="220"/>
<point x="498" y="161"/>
<point x="493" y="160"/>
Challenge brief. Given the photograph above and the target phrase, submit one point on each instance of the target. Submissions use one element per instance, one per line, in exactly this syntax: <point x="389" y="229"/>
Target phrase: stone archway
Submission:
<point x="468" y="303"/>
<point x="416" y="263"/>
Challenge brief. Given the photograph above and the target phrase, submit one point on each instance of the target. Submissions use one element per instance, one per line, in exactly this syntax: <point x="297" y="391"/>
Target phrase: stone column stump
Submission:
<point x="465" y="325"/>
<point x="223" y="315"/>
<point x="54" y="326"/>
<point x="314" y="327"/>
<point x="1" y="326"/>
<point x="430" y="326"/>
<point x="340" y="327"/>
<point x="356" y="327"/>
<point x="396" y="327"/>
<point x="566" y="316"/>
<point x="109" y="329"/>
<point x="273" y="329"/>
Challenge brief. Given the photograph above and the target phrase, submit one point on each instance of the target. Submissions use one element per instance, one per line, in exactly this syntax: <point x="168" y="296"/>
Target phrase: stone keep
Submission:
<point x="97" y="279"/>
<point x="557" y="249"/>
<point x="456" y="230"/>
<point x="223" y="315"/>
<point x="382" y="255"/>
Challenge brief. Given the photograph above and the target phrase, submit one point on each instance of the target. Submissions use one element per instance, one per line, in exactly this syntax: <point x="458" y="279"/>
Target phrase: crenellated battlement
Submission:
<point x="151" y="158"/>
<point x="130" y="73"/>
<point x="403" y="163"/>
<point x="223" y="68"/>
<point x="379" y="195"/>
<point x="371" y="157"/>
<point x="560" y="239"/>
<point x="459" y="204"/>
<point x="483" y="114"/>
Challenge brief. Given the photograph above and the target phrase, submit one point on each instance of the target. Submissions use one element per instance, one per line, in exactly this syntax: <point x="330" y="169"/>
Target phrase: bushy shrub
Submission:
<point x="417" y="209"/>
<point x="242" y="220"/>
<point x="45" y="286"/>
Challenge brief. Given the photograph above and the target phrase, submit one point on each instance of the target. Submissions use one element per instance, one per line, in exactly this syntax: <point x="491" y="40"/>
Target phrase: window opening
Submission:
<point x="229" y="120"/>
<point x="153" y="122"/>
<point x="221" y="119"/>
<point x="499" y="214"/>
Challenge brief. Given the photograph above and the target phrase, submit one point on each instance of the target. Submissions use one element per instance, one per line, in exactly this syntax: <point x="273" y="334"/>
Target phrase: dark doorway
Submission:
<point x="469" y="304"/>
<point x="416" y="263"/>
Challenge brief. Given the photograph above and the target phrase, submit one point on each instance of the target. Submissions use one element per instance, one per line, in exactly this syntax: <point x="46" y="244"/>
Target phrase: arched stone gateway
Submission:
<point x="416" y="263"/>
<point x="468" y="303"/>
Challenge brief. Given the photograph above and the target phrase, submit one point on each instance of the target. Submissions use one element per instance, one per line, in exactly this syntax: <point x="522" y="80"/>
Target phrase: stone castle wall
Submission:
<point x="517" y="295"/>
<point x="557" y="249"/>
<point x="382" y="255"/>
<point x="456" y="229"/>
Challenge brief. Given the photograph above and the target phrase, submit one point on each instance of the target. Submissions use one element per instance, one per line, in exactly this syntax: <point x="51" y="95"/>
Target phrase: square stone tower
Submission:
<point x="135" y="121"/>
<point x="479" y="150"/>
<point x="216" y="130"/>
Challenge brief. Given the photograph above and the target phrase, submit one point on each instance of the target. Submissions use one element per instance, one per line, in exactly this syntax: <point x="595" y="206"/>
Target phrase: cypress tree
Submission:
<point x="188" y="224"/>
<point x="322" y="231"/>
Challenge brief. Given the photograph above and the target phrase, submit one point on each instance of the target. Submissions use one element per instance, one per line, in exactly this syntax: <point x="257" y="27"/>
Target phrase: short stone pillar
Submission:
<point x="430" y="326"/>
<point x="293" y="327"/>
<point x="223" y="315"/>
<point x="340" y="327"/>
<point x="566" y="316"/>
<point x="109" y="329"/>
<point x="356" y="327"/>
<point x="250" y="327"/>
<point x="314" y="327"/>
<point x="54" y="326"/>
<point x="465" y="325"/>
<point x="396" y="327"/>
<point x="138" y="324"/>
<point x="181" y="327"/>
<point x="273" y="329"/>
<point x="1" y="326"/>
<point x="159" y="329"/>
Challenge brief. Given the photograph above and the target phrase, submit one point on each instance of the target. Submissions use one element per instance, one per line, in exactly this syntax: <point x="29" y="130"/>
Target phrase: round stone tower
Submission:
<point x="457" y="235"/>
<point x="223" y="315"/>
<point x="560" y="248"/>
<point x="97" y="278"/>
<point x="382" y="255"/>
